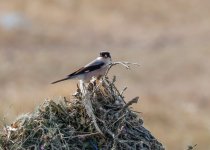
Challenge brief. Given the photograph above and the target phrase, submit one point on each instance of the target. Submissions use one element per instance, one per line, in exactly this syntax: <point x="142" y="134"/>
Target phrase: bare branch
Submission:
<point x="134" y="100"/>
<point x="125" y="64"/>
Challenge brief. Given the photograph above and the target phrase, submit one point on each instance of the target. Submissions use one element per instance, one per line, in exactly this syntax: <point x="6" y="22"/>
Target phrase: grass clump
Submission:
<point x="68" y="124"/>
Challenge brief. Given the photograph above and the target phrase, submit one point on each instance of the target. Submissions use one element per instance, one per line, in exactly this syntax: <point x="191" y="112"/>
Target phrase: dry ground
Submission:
<point x="42" y="40"/>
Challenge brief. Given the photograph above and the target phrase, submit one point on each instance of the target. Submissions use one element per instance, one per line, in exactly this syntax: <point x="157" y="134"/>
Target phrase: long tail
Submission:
<point x="61" y="80"/>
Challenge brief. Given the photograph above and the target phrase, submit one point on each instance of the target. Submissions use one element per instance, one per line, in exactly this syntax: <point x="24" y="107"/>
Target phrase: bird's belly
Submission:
<point x="97" y="73"/>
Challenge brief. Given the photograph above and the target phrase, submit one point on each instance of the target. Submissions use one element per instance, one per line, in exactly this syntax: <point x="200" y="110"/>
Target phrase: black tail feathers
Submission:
<point x="60" y="80"/>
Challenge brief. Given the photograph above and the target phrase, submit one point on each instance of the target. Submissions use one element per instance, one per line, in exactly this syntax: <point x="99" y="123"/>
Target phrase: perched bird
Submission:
<point x="97" y="68"/>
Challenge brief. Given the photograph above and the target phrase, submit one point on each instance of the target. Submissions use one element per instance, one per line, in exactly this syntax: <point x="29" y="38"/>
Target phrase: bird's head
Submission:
<point x="105" y="55"/>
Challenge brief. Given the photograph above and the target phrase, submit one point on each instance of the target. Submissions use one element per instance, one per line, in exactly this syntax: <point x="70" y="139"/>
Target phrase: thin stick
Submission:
<point x="125" y="64"/>
<point x="84" y="135"/>
<point x="134" y="100"/>
<point x="121" y="93"/>
<point x="118" y="119"/>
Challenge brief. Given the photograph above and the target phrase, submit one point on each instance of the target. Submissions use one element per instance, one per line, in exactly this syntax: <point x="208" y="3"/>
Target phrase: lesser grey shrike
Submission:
<point x="97" y="68"/>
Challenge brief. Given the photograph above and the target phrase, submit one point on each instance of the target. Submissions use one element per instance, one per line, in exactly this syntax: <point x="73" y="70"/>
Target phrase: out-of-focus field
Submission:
<point x="44" y="40"/>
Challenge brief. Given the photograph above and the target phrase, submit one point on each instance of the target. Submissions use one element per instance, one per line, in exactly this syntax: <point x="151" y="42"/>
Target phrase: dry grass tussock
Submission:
<point x="69" y="124"/>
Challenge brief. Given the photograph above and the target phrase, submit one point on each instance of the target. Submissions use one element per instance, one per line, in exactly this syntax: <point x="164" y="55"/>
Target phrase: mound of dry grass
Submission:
<point x="104" y="122"/>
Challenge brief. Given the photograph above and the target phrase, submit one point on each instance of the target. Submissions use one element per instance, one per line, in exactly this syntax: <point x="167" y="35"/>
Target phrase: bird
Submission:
<point x="96" y="68"/>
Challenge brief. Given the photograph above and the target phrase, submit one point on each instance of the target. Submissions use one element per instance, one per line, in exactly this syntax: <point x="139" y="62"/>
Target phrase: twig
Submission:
<point x="84" y="135"/>
<point x="125" y="64"/>
<point x="191" y="147"/>
<point x="121" y="93"/>
<point x="115" y="89"/>
<point x="134" y="100"/>
<point x="119" y="119"/>
<point x="137" y="111"/>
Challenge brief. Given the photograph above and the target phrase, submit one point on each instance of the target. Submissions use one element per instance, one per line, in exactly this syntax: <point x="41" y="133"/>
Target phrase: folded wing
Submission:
<point x="88" y="68"/>
<point x="94" y="65"/>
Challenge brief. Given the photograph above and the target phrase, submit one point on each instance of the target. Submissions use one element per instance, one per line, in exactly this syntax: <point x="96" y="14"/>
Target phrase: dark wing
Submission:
<point x="90" y="67"/>
<point x="60" y="80"/>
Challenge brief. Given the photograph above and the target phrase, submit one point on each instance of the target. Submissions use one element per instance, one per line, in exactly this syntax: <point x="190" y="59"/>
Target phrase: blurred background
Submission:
<point x="44" y="40"/>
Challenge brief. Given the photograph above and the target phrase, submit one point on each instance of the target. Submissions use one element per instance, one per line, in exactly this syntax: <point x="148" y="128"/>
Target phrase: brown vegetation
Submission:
<point x="96" y="118"/>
